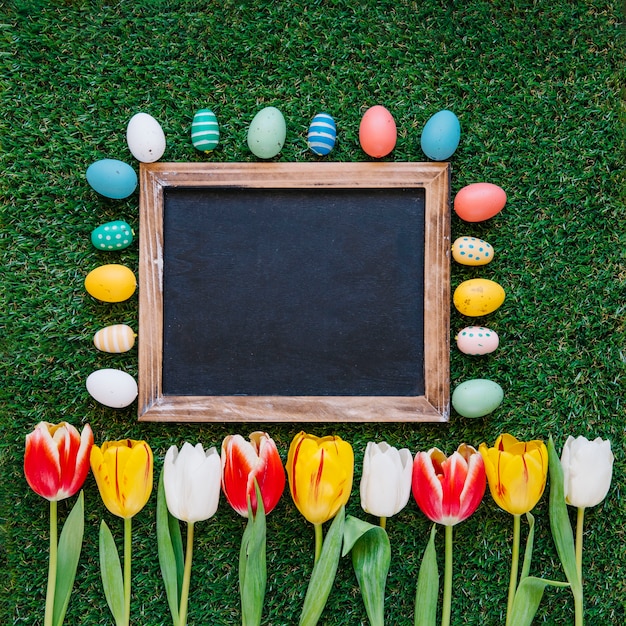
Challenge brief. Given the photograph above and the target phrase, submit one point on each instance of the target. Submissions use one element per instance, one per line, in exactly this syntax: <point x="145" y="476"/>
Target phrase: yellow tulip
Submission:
<point x="123" y="472"/>
<point x="516" y="472"/>
<point x="320" y="471"/>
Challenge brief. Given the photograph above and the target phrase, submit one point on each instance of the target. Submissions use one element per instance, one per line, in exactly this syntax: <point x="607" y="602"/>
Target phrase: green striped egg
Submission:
<point x="205" y="131"/>
<point x="115" y="235"/>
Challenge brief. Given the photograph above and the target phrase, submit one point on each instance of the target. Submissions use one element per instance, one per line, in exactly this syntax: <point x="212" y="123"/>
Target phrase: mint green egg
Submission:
<point x="112" y="236"/>
<point x="477" y="397"/>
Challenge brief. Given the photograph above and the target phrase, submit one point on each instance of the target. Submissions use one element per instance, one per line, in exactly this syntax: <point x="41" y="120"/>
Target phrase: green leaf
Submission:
<point x="527" y="599"/>
<point x="427" y="585"/>
<point x="371" y="557"/>
<point x="559" y="521"/>
<point x="252" y="564"/>
<point x="111" y="572"/>
<point x="70" y="544"/>
<point x="323" y="574"/>
<point x="353" y="529"/>
<point x="167" y="537"/>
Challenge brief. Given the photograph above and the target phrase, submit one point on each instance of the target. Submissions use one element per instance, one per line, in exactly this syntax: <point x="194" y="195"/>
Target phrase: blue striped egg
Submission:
<point x="205" y="130"/>
<point x="322" y="134"/>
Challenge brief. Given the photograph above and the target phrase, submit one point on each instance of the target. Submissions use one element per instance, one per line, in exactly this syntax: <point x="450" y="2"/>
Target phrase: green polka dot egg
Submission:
<point x="477" y="340"/>
<point x="472" y="251"/>
<point x="115" y="235"/>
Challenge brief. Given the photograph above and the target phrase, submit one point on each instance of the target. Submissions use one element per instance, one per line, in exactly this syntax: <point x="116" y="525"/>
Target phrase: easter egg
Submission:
<point x="478" y="296"/>
<point x="477" y="397"/>
<point x="145" y="138"/>
<point x="377" y="132"/>
<point x="116" y="338"/>
<point x="441" y="135"/>
<point x="111" y="387"/>
<point x="267" y="133"/>
<point x="115" y="235"/>
<point x="479" y="201"/>
<point x="322" y="134"/>
<point x="472" y="251"/>
<point x="477" y="340"/>
<point x="205" y="130"/>
<point x="111" y="283"/>
<point x="112" y="178"/>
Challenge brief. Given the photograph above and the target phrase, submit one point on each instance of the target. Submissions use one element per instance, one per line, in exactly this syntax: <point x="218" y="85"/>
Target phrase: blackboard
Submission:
<point x="294" y="292"/>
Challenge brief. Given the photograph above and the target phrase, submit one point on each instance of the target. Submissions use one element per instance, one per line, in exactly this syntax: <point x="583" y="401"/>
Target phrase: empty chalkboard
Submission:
<point x="294" y="292"/>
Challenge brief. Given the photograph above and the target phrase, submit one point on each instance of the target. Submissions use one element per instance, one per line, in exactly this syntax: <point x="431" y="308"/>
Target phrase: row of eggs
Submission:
<point x="477" y="297"/>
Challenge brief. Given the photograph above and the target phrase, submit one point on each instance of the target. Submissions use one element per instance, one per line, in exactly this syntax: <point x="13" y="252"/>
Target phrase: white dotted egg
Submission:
<point x="322" y="134"/>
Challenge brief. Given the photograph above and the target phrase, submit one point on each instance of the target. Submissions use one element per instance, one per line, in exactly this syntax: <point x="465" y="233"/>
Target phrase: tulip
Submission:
<point x="587" y="473"/>
<point x="123" y="471"/>
<point x="243" y="462"/>
<point x="56" y="461"/>
<point x="448" y="490"/>
<point x="386" y="481"/>
<point x="56" y="464"/>
<point x="190" y="486"/>
<point x="517" y="472"/>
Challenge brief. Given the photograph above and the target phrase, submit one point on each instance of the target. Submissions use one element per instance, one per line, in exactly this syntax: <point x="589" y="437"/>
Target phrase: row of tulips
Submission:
<point x="250" y="474"/>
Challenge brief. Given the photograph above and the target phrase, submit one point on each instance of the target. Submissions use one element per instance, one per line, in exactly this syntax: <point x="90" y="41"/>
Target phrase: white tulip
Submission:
<point x="386" y="481"/>
<point x="587" y="470"/>
<point x="192" y="482"/>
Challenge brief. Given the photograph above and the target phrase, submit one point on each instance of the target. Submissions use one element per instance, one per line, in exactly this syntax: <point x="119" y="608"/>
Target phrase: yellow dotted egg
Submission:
<point x="478" y="296"/>
<point x="116" y="338"/>
<point x="472" y="251"/>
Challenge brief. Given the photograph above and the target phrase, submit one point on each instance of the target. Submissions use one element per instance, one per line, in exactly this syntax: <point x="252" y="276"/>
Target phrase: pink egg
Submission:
<point x="476" y="340"/>
<point x="479" y="201"/>
<point x="377" y="132"/>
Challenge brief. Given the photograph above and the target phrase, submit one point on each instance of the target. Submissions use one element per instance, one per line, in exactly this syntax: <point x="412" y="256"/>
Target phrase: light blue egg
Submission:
<point x="441" y="136"/>
<point x="322" y="134"/>
<point x="112" y="178"/>
<point x="205" y="130"/>
<point x="477" y="397"/>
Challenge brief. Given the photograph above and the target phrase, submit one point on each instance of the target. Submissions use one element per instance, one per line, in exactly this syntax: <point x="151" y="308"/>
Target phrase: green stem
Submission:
<point x="578" y="597"/>
<point x="383" y="522"/>
<point x="52" y="566"/>
<point x="514" y="567"/>
<point x="319" y="540"/>
<point x="446" y="610"/>
<point x="184" y="594"/>
<point x="127" y="569"/>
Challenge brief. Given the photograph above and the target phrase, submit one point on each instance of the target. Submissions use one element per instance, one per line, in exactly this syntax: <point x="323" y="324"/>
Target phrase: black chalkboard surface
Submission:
<point x="294" y="292"/>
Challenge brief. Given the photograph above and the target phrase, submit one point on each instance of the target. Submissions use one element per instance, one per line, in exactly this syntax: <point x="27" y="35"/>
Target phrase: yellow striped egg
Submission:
<point x="205" y="130"/>
<point x="472" y="251"/>
<point x="116" y="338"/>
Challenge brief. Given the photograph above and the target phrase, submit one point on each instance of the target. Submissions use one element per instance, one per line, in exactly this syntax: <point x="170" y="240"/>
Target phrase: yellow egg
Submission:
<point x="478" y="296"/>
<point x="472" y="251"/>
<point x="111" y="283"/>
<point x="116" y="338"/>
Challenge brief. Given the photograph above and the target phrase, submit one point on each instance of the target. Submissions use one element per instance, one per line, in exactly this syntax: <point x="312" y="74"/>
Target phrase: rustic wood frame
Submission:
<point x="433" y="406"/>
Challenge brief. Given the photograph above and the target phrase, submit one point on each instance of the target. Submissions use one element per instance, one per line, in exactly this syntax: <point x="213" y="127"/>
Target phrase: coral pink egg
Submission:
<point x="377" y="132"/>
<point x="479" y="201"/>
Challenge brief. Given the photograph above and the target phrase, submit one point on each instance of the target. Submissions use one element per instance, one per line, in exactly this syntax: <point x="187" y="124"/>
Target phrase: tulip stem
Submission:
<point x="184" y="594"/>
<point x="578" y="597"/>
<point x="383" y="522"/>
<point x="128" y="521"/>
<point x="52" y="565"/>
<point x="319" y="540"/>
<point x="514" y="567"/>
<point x="446" y="610"/>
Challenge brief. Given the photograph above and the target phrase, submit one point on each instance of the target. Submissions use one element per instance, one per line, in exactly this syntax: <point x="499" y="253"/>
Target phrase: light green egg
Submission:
<point x="477" y="397"/>
<point x="111" y="236"/>
<point x="267" y="133"/>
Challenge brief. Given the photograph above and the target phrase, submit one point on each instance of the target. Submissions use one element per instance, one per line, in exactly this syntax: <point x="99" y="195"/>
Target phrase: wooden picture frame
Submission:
<point x="159" y="179"/>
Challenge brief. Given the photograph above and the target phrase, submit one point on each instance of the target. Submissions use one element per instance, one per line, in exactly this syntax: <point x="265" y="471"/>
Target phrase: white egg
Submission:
<point x="111" y="387"/>
<point x="145" y="138"/>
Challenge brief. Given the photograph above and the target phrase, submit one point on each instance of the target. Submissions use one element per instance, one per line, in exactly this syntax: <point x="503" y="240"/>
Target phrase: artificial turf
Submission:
<point x="537" y="87"/>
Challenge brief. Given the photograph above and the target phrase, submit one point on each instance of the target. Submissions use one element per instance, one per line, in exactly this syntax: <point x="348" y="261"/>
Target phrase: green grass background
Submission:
<point x="537" y="88"/>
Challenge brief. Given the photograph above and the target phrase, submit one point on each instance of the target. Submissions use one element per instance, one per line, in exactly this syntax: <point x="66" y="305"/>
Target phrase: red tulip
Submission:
<point x="243" y="462"/>
<point x="449" y="490"/>
<point x="56" y="461"/>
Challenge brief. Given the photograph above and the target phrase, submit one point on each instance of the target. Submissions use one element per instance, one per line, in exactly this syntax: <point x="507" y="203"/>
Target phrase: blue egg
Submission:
<point x="112" y="178"/>
<point x="441" y="136"/>
<point x="322" y="134"/>
<point x="205" y="130"/>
